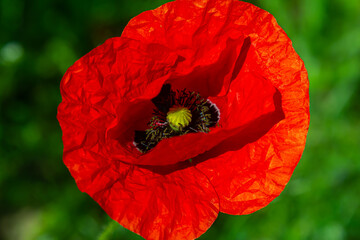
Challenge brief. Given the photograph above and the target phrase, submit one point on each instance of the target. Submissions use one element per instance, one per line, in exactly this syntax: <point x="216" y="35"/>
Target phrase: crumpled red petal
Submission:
<point x="248" y="177"/>
<point x="179" y="205"/>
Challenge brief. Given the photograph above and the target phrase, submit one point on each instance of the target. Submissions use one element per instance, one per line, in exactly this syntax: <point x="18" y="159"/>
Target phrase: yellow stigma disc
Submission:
<point x="179" y="117"/>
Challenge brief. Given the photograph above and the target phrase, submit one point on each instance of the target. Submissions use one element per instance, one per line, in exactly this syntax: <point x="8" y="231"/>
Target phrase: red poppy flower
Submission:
<point x="199" y="107"/>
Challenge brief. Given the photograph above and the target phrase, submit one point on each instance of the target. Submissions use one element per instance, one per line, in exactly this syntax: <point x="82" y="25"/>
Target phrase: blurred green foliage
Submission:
<point x="40" y="39"/>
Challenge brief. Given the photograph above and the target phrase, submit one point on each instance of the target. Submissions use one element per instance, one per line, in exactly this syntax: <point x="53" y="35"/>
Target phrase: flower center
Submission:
<point x="179" y="117"/>
<point x="177" y="113"/>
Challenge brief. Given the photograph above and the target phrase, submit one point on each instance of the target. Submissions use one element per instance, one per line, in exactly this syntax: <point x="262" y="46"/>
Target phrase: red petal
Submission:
<point x="157" y="205"/>
<point x="103" y="87"/>
<point x="249" y="176"/>
<point x="199" y="33"/>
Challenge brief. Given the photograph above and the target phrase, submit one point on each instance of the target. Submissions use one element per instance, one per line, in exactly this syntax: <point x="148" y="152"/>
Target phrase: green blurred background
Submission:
<point x="40" y="39"/>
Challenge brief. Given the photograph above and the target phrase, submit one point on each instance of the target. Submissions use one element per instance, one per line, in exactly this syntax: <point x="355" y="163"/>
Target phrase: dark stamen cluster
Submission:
<point x="204" y="115"/>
